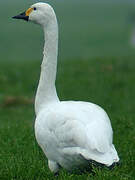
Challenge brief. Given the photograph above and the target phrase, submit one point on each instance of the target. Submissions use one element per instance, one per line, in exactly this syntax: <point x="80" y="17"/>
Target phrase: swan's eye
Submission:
<point x="35" y="8"/>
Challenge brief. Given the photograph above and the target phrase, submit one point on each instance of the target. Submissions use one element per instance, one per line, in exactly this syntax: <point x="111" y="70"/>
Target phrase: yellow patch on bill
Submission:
<point x="27" y="13"/>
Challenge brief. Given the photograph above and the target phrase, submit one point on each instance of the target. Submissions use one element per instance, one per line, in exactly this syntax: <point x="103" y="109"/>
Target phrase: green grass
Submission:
<point x="108" y="82"/>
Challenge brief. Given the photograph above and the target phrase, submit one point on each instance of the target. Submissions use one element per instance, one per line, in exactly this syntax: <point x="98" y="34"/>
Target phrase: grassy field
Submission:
<point x="107" y="82"/>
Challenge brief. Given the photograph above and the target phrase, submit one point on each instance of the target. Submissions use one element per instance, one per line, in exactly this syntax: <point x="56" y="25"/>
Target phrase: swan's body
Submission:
<point x="70" y="133"/>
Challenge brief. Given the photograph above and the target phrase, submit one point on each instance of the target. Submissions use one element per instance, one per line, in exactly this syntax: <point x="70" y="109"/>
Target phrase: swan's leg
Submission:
<point x="53" y="166"/>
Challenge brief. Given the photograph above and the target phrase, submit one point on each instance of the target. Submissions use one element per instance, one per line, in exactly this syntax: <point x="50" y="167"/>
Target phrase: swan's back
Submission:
<point x="73" y="133"/>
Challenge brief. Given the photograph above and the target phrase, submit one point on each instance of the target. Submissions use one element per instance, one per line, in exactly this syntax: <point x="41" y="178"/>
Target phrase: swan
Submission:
<point x="72" y="134"/>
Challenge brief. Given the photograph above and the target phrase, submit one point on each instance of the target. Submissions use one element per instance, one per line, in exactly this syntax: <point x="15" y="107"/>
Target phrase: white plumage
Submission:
<point x="70" y="133"/>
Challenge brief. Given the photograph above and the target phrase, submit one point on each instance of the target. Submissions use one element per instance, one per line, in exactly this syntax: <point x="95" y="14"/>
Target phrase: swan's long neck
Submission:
<point x="46" y="92"/>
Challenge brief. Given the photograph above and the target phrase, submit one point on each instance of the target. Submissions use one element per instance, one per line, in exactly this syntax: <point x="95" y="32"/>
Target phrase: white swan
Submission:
<point x="70" y="133"/>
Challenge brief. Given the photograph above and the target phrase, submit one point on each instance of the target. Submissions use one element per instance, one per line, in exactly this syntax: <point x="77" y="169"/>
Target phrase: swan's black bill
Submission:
<point x="22" y="16"/>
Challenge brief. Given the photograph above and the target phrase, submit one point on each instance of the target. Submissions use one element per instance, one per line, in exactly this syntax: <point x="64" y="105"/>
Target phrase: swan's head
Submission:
<point x="39" y="13"/>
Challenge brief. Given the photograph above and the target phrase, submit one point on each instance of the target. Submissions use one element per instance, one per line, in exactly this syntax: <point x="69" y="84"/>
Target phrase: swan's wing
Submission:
<point x="92" y="138"/>
<point x="76" y="130"/>
<point x="88" y="124"/>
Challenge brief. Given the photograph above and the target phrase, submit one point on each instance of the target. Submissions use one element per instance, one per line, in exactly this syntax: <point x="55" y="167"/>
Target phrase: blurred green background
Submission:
<point x="87" y="28"/>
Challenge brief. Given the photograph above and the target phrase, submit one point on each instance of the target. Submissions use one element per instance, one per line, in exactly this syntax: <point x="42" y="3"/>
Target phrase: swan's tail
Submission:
<point x="109" y="159"/>
<point x="114" y="154"/>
